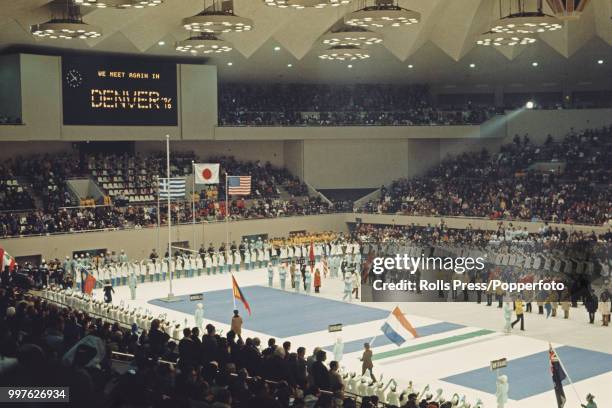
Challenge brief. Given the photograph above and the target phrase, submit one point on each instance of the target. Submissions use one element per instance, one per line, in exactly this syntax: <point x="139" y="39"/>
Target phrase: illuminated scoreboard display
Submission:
<point x="118" y="91"/>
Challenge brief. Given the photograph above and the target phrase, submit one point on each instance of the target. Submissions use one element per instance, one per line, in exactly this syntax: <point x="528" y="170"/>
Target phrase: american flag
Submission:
<point x="325" y="267"/>
<point x="238" y="185"/>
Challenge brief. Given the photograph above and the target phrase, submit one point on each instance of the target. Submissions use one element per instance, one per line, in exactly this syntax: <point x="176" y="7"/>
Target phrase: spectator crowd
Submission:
<point x="565" y="181"/>
<point x="122" y="176"/>
<point x="573" y="187"/>
<point x="44" y="344"/>
<point x="338" y="105"/>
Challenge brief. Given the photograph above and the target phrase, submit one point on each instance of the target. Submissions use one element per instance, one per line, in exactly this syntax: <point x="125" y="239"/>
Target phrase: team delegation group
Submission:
<point x="330" y="254"/>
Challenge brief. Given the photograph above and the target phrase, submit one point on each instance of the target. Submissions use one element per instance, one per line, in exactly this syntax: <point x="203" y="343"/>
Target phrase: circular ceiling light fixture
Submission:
<point x="344" y="53"/>
<point x="498" y="39"/>
<point x="217" y="23"/>
<point x="204" y="43"/>
<point x="383" y="14"/>
<point x="65" y="30"/>
<point x="66" y="24"/>
<point x="355" y="36"/>
<point x="218" y="19"/>
<point x="302" y="4"/>
<point x="119" y="4"/>
<point x="526" y="23"/>
<point x="518" y="21"/>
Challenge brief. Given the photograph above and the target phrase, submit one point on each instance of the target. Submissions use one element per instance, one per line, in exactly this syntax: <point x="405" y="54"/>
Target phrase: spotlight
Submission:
<point x="289" y="65"/>
<point x="229" y="64"/>
<point x="349" y="66"/>
<point x="277" y="48"/>
<point x="160" y="43"/>
<point x="534" y="64"/>
<point x="600" y="62"/>
<point x="410" y="66"/>
<point x="472" y="65"/>
<point x="530" y="105"/>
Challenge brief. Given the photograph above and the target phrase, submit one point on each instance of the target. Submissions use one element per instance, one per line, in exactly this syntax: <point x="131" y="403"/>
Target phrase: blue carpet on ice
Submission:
<point x="530" y="375"/>
<point x="278" y="313"/>
<point x="382" y="340"/>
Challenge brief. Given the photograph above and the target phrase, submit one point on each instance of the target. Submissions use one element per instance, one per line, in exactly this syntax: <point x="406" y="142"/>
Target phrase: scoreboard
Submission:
<point x="116" y="91"/>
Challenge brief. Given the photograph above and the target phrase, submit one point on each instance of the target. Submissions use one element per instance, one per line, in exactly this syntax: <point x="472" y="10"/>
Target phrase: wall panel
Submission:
<point x="198" y="90"/>
<point x="354" y="164"/>
<point x="10" y="86"/>
<point x="264" y="151"/>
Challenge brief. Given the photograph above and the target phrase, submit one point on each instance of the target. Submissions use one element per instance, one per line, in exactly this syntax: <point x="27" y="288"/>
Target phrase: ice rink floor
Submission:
<point x="456" y="343"/>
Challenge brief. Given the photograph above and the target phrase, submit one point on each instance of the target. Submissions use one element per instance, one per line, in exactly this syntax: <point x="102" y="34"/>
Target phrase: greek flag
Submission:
<point x="175" y="187"/>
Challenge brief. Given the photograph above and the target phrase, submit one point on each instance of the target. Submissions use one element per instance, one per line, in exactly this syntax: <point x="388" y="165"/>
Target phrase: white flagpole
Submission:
<point x="372" y="341"/>
<point x="158" y="216"/>
<point x="226" y="213"/>
<point x="170" y="294"/>
<point x="566" y="373"/>
<point x="233" y="297"/>
<point x="195" y="245"/>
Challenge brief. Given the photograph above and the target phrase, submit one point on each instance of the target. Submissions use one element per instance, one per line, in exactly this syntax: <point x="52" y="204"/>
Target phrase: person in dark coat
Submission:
<point x="275" y="367"/>
<point x="157" y="338"/>
<point x="320" y="374"/>
<point x="590" y="302"/>
<point x="210" y="343"/>
<point x="188" y="350"/>
<point x="108" y="293"/>
<point x="301" y="371"/>
<point x="251" y="358"/>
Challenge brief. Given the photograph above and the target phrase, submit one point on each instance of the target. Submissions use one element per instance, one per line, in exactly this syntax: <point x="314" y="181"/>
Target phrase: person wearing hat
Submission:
<point x="520" y="317"/>
<point x="604" y="307"/>
<point x="501" y="391"/>
<point x="591" y="305"/>
<point x="366" y="361"/>
<point x="412" y="401"/>
<point x="108" y="293"/>
<point x="282" y="275"/>
<point x="317" y="280"/>
<point x="123" y="257"/>
<point x="236" y="325"/>
<point x="67" y="263"/>
<point x="270" y="274"/>
<point x="590" y="402"/>
<point x="307" y="280"/>
<point x="297" y="278"/>
<point x="132" y="283"/>
<point x="199" y="315"/>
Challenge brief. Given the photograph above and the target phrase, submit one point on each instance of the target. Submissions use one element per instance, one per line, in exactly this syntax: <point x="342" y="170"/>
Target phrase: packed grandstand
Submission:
<point x="305" y="203"/>
<point x="563" y="180"/>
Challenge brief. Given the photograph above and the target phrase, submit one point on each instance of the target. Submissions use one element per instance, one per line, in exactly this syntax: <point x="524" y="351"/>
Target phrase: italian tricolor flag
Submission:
<point x="6" y="260"/>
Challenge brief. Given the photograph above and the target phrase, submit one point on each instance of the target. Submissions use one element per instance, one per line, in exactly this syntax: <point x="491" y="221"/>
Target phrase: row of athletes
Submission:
<point x="191" y="265"/>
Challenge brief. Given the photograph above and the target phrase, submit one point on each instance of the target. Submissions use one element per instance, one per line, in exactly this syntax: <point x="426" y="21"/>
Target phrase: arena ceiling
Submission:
<point x="284" y="44"/>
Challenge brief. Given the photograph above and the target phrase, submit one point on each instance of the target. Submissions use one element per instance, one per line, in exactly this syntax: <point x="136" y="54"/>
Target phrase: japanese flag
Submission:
<point x="207" y="173"/>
